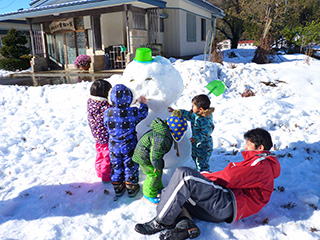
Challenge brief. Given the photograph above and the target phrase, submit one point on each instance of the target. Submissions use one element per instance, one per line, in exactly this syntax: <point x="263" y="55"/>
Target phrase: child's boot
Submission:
<point x="132" y="188"/>
<point x="119" y="188"/>
<point x="153" y="200"/>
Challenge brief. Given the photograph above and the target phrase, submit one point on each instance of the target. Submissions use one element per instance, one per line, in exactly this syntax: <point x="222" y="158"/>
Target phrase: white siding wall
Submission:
<point x="175" y="37"/>
<point x="113" y="29"/>
<point x="172" y="33"/>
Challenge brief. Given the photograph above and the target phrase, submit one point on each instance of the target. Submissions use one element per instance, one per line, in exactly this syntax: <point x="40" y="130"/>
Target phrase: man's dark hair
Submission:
<point x="201" y="101"/>
<point x="100" y="88"/>
<point x="259" y="136"/>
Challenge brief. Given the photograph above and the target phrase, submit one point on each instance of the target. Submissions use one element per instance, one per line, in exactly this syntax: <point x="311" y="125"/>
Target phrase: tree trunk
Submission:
<point x="234" y="43"/>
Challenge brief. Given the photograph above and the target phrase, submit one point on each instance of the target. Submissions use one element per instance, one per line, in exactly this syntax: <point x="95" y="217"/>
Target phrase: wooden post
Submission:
<point x="32" y="38"/>
<point x="127" y="29"/>
<point x="93" y="44"/>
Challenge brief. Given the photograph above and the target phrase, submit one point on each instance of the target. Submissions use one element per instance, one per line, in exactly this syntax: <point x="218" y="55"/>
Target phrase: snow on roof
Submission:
<point x="33" y="9"/>
<point x="55" y="6"/>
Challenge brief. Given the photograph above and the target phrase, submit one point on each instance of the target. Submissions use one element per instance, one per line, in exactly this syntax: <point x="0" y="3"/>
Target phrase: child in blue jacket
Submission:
<point x="202" y="127"/>
<point x="121" y="121"/>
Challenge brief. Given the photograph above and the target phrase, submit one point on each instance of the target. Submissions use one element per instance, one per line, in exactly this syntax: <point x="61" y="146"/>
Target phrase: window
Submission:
<point x="162" y="18"/>
<point x="191" y="28"/>
<point x="79" y="23"/>
<point x="139" y="20"/>
<point x="203" y="29"/>
<point x="161" y="25"/>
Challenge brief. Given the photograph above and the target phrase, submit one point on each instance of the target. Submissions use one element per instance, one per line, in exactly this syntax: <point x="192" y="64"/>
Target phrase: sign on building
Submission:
<point x="65" y="25"/>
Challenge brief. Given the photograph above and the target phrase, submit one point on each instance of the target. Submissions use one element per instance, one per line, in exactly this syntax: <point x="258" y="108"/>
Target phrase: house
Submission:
<point x="111" y="30"/>
<point x="246" y="44"/>
<point x="226" y="44"/>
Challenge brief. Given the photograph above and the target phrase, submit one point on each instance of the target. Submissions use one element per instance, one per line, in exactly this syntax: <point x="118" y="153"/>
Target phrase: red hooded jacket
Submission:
<point x="251" y="181"/>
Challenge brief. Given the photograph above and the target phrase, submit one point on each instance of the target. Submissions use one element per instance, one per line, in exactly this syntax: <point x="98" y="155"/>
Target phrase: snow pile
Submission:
<point x="48" y="186"/>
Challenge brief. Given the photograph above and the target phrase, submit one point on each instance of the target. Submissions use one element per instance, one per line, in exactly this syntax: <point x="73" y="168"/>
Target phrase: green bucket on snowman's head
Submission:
<point x="143" y="55"/>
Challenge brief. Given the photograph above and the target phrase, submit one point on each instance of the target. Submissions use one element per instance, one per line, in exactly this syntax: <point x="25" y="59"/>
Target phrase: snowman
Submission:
<point x="154" y="78"/>
<point x="161" y="84"/>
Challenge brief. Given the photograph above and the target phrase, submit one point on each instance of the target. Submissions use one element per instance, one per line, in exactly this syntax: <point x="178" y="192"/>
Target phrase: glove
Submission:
<point x="176" y="113"/>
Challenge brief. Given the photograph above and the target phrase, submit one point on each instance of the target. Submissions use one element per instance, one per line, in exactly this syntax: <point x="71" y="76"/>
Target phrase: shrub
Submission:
<point x="82" y="61"/>
<point x="13" y="64"/>
<point x="14" y="51"/>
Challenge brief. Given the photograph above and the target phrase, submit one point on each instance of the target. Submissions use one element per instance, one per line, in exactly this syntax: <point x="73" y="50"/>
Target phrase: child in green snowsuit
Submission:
<point x="151" y="148"/>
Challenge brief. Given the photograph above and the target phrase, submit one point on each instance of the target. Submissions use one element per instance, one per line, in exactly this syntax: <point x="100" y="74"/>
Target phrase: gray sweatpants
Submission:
<point x="200" y="196"/>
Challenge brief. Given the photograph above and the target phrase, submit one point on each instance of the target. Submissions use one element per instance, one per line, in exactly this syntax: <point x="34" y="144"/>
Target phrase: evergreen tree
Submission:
<point x="14" y="52"/>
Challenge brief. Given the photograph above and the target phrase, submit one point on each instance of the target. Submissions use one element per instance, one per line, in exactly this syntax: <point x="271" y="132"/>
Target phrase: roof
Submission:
<point x="246" y="41"/>
<point x="215" y="10"/>
<point x="49" y="7"/>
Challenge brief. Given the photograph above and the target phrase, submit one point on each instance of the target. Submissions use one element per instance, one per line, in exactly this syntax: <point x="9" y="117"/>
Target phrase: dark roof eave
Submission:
<point x="73" y="6"/>
<point x="215" y="10"/>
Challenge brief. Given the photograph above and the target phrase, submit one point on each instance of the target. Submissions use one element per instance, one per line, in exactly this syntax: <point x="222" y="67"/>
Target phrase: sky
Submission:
<point x="48" y="184"/>
<point x="13" y="5"/>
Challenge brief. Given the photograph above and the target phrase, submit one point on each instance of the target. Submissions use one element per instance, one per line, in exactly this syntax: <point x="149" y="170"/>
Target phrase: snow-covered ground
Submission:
<point x="48" y="184"/>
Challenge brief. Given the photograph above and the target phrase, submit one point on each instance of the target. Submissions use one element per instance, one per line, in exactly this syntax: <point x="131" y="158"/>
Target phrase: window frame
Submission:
<point x="203" y="29"/>
<point x="191" y="25"/>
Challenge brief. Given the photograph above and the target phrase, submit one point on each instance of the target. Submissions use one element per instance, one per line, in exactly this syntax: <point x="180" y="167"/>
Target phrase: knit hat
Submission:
<point x="178" y="125"/>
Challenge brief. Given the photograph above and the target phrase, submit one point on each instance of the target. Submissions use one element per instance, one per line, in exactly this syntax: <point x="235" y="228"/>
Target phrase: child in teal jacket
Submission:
<point x="202" y="127"/>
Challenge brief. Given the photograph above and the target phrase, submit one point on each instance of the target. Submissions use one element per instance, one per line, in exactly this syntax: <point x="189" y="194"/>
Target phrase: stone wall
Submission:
<point x="138" y="38"/>
<point x="39" y="64"/>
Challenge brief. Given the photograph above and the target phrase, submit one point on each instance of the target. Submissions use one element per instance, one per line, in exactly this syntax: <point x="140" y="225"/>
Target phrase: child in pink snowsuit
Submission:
<point x="97" y="104"/>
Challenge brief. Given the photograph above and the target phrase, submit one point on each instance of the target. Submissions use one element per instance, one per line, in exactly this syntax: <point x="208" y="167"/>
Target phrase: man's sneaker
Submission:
<point x="151" y="227"/>
<point x="132" y="189"/>
<point x="154" y="200"/>
<point x="119" y="188"/>
<point x="184" y="229"/>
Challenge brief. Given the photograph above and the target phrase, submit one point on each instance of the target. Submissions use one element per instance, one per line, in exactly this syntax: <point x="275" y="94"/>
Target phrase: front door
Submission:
<point x="64" y="47"/>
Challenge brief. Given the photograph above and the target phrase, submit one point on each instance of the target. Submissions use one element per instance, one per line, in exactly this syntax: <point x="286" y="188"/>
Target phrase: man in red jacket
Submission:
<point x="238" y="191"/>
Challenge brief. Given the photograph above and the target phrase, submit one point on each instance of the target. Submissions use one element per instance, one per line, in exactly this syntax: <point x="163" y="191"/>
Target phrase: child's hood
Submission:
<point x="207" y="112"/>
<point x="160" y="126"/>
<point x="254" y="157"/>
<point x="97" y="98"/>
<point x="121" y="96"/>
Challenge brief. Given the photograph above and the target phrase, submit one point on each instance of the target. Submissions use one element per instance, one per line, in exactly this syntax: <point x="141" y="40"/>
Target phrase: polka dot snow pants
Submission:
<point x="201" y="155"/>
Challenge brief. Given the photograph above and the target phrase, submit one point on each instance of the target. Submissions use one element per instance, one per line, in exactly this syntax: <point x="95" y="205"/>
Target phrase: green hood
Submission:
<point x="161" y="127"/>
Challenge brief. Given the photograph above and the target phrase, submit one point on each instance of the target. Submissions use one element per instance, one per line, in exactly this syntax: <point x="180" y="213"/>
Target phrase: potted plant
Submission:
<point x="82" y="61"/>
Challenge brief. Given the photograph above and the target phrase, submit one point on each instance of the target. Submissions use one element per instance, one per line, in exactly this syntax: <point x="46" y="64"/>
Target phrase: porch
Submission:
<point x="109" y="32"/>
<point x="52" y="77"/>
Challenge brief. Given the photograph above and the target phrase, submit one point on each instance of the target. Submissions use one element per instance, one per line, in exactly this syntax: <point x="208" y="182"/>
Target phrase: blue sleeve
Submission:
<point x="143" y="112"/>
<point x="188" y="115"/>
